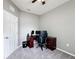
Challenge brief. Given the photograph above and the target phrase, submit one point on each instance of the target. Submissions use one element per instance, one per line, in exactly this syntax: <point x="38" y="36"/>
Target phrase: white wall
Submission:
<point x="60" y="23"/>
<point x="27" y="23"/>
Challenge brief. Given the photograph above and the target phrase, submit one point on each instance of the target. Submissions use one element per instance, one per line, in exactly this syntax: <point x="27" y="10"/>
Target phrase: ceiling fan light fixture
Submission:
<point x="43" y="2"/>
<point x="39" y="0"/>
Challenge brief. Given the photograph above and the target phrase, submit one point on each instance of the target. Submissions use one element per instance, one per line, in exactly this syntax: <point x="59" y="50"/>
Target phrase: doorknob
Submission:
<point x="5" y="37"/>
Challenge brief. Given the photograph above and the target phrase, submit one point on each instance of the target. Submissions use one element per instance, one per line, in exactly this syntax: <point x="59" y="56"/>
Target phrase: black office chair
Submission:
<point x="42" y="39"/>
<point x="37" y="35"/>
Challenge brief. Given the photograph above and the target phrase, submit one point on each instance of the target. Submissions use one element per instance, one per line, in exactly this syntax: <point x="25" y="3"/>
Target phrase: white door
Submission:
<point x="10" y="31"/>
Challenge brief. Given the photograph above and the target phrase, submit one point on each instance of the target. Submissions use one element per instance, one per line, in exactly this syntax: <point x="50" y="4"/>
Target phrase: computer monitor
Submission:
<point x="38" y="32"/>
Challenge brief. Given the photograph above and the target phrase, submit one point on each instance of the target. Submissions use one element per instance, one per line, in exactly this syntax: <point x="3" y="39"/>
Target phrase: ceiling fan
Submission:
<point x="42" y="1"/>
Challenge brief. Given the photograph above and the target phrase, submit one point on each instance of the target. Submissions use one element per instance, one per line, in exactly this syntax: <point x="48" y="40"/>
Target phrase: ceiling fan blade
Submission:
<point x="34" y="1"/>
<point x="43" y="2"/>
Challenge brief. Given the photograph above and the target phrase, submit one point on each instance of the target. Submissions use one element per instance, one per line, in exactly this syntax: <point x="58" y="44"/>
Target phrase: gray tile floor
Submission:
<point x="37" y="53"/>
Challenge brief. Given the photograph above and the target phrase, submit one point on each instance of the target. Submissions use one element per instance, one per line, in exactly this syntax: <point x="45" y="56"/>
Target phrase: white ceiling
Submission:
<point x="37" y="8"/>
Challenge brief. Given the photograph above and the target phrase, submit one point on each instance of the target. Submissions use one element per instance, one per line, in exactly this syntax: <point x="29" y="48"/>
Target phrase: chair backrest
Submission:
<point x="42" y="37"/>
<point x="37" y="35"/>
<point x="38" y="32"/>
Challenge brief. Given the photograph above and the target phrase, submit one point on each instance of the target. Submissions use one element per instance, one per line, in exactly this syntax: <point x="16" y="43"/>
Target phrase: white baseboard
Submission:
<point x="65" y="52"/>
<point x="13" y="51"/>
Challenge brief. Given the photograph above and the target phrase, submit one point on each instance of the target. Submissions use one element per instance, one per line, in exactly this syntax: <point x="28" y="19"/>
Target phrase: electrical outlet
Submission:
<point x="67" y="45"/>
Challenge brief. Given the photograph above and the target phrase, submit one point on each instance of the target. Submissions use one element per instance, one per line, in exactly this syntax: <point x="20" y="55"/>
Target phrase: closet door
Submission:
<point x="10" y="31"/>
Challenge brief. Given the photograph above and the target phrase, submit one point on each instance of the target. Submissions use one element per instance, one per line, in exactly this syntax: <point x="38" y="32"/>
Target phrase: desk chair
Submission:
<point x="42" y="39"/>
